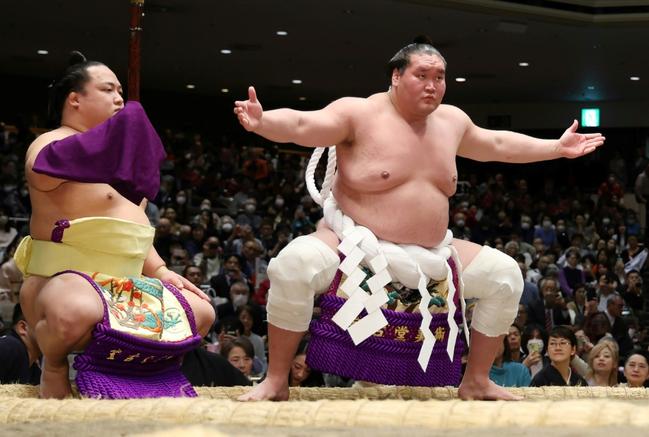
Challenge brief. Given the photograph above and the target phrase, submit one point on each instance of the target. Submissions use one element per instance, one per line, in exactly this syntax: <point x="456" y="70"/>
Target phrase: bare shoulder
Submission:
<point x="453" y="113"/>
<point x="40" y="181"/>
<point x="42" y="141"/>
<point x="349" y="105"/>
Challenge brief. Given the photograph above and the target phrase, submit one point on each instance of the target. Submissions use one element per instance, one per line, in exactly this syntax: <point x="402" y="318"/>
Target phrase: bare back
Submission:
<point x="396" y="178"/>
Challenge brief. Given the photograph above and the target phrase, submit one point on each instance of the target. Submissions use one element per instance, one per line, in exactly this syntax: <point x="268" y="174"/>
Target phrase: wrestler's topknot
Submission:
<point x="73" y="79"/>
<point x="420" y="45"/>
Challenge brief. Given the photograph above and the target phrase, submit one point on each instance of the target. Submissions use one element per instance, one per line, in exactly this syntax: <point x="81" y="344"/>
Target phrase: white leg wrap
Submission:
<point x="302" y="269"/>
<point x="496" y="280"/>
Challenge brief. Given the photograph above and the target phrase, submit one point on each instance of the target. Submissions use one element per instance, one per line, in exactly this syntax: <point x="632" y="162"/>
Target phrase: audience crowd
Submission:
<point x="223" y="212"/>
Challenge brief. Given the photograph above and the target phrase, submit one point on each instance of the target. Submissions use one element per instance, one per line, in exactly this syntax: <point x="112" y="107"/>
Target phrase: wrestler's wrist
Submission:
<point x="159" y="271"/>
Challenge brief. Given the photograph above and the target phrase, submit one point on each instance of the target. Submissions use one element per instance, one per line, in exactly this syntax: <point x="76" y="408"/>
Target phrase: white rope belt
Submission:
<point x="411" y="265"/>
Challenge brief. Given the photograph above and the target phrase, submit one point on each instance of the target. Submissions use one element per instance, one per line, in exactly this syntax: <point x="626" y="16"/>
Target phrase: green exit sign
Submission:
<point x="590" y="117"/>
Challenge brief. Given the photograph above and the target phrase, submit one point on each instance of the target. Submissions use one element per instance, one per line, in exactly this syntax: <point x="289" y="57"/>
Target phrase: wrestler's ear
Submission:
<point x="395" y="77"/>
<point x="73" y="99"/>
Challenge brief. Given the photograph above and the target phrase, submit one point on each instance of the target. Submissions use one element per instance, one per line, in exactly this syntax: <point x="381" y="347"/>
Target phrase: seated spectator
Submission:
<point x="506" y="372"/>
<point x="300" y="374"/>
<point x="254" y="265"/>
<point x="195" y="242"/>
<point x="20" y="353"/>
<point x="571" y="275"/>
<point x="208" y="369"/>
<point x="240" y="353"/>
<point x="636" y="370"/>
<point x="562" y="346"/>
<point x="550" y="310"/>
<point x="619" y="328"/>
<point x="632" y="292"/>
<point x="249" y="217"/>
<point x="209" y="259"/>
<point x="534" y="344"/>
<point x="239" y="296"/>
<point x="231" y="273"/>
<point x="248" y="318"/>
<point x="602" y="364"/>
<point x="577" y="307"/>
<point x="606" y="286"/>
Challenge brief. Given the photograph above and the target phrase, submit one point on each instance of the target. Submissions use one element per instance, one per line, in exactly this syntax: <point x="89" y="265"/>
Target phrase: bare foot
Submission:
<point x="474" y="390"/>
<point x="268" y="390"/>
<point x="55" y="383"/>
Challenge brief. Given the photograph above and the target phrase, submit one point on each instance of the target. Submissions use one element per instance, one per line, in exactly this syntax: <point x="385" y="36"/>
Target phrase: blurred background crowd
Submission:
<point x="226" y="206"/>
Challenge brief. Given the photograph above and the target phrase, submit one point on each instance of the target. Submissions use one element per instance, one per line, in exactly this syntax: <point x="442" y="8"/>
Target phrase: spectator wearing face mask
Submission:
<point x="546" y="232"/>
<point x="249" y="216"/>
<point x="526" y="230"/>
<point x="460" y="230"/>
<point x="239" y="296"/>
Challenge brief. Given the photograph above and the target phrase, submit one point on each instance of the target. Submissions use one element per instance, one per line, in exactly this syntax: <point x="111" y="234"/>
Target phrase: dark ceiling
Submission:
<point x="340" y="47"/>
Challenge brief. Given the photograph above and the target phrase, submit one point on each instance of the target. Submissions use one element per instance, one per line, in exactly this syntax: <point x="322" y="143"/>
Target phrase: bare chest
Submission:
<point x="388" y="154"/>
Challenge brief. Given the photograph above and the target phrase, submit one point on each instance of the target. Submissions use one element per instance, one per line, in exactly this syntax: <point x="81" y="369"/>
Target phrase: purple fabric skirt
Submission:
<point x="118" y="365"/>
<point x="390" y="358"/>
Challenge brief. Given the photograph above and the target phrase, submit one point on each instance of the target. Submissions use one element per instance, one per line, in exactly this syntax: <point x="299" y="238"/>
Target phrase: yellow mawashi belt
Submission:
<point x="93" y="244"/>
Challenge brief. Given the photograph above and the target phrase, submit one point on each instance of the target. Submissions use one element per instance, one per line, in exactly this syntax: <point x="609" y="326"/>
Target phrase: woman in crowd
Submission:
<point x="240" y="353"/>
<point x="602" y="363"/>
<point x="301" y="375"/>
<point x="636" y="370"/>
<point x="247" y="316"/>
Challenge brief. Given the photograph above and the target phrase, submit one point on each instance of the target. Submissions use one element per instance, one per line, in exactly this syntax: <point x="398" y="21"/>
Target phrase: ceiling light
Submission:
<point x="226" y="51"/>
<point x="42" y="52"/>
<point x="460" y="79"/>
<point x="523" y="64"/>
<point x="190" y="86"/>
<point x="302" y="99"/>
<point x="225" y="90"/>
<point x="634" y="78"/>
<point x="281" y="33"/>
<point x="590" y="87"/>
<point x="296" y="81"/>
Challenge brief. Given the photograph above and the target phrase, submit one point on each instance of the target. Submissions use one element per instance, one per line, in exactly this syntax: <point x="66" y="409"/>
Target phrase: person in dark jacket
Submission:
<point x="19" y="353"/>
<point x="562" y="347"/>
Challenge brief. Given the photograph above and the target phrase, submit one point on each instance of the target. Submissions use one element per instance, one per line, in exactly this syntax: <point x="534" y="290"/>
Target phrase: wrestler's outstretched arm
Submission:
<point x="506" y="146"/>
<point x="325" y="127"/>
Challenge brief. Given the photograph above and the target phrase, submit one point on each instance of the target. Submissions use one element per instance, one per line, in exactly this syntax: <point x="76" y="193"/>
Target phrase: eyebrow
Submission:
<point x="113" y="84"/>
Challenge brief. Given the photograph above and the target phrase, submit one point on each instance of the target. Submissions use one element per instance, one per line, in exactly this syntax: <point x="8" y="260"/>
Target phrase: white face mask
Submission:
<point x="250" y="208"/>
<point x="525" y="225"/>
<point x="279" y="203"/>
<point x="535" y="345"/>
<point x="239" y="299"/>
<point x="227" y="227"/>
<point x="180" y="200"/>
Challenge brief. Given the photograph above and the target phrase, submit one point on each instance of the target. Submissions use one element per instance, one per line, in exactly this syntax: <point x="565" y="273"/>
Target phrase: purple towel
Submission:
<point x="124" y="151"/>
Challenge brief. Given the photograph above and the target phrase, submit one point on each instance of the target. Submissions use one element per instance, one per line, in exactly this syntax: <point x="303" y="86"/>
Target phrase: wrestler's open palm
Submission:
<point x="573" y="144"/>
<point x="249" y="112"/>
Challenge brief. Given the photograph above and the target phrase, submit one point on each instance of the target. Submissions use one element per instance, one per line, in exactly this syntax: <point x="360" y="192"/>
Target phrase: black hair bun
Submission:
<point x="423" y="39"/>
<point x="76" y="57"/>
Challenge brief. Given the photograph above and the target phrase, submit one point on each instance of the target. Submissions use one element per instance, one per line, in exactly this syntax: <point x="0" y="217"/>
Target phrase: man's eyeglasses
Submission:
<point x="556" y="344"/>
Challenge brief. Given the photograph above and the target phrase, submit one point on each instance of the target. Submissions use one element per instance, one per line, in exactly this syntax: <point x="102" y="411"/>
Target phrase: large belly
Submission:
<point x="75" y="200"/>
<point x="411" y="213"/>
